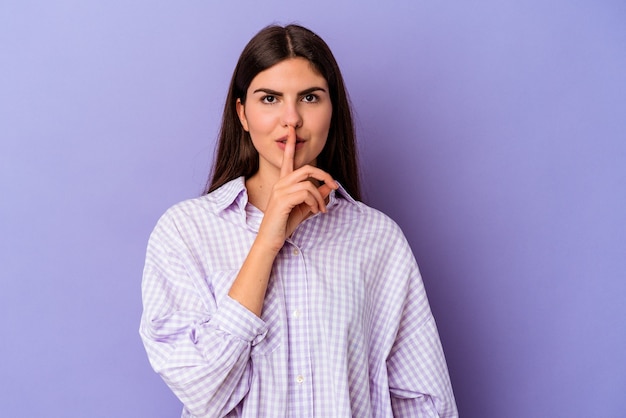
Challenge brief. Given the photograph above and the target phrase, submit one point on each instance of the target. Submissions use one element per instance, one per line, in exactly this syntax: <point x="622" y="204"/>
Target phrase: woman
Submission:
<point x="278" y="293"/>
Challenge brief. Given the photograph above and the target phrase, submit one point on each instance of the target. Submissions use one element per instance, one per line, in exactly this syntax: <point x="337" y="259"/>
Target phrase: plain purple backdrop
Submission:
<point x="493" y="132"/>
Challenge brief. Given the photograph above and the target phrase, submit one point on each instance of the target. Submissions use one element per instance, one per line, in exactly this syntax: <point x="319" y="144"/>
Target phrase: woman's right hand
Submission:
<point x="293" y="198"/>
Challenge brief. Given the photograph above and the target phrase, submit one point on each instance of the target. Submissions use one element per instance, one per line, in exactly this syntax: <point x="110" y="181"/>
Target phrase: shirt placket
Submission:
<point x="297" y="305"/>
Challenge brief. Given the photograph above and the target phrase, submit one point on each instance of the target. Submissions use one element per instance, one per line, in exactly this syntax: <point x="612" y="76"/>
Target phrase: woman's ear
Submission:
<point x="241" y="112"/>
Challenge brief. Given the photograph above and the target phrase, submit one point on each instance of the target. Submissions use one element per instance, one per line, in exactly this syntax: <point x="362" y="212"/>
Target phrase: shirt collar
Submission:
<point x="234" y="192"/>
<point x="339" y="193"/>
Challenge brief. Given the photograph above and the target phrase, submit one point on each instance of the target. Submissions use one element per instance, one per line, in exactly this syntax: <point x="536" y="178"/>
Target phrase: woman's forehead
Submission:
<point x="289" y="73"/>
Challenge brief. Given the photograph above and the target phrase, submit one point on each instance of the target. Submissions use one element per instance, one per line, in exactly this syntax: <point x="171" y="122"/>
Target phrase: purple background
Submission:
<point x="493" y="132"/>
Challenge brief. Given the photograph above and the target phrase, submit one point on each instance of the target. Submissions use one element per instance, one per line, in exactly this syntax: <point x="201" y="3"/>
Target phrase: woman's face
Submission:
<point x="289" y="93"/>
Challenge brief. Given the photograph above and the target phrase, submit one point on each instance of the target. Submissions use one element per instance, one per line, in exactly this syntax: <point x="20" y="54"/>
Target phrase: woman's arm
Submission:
<point x="293" y="198"/>
<point x="405" y="334"/>
<point x="419" y="382"/>
<point x="418" y="376"/>
<point x="199" y="346"/>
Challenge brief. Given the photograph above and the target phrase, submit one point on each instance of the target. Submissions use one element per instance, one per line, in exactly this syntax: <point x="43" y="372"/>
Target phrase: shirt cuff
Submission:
<point x="235" y="319"/>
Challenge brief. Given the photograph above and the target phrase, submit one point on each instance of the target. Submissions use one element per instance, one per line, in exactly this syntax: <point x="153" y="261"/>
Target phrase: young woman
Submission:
<point x="278" y="293"/>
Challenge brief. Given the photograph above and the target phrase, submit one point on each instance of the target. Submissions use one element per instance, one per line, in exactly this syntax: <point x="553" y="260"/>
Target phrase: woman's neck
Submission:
<point x="259" y="187"/>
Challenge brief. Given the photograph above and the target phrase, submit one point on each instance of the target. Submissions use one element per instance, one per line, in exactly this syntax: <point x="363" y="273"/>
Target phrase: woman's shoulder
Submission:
<point x="367" y="217"/>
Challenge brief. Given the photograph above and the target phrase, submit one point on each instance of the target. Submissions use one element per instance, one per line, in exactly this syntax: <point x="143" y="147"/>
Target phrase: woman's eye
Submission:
<point x="269" y="99"/>
<point x="310" y="98"/>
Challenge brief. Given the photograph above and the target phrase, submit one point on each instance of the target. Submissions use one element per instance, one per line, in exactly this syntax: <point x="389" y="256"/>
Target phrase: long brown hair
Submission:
<point x="236" y="156"/>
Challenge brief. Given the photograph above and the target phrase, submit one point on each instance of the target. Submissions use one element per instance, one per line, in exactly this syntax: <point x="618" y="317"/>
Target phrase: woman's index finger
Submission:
<point x="289" y="153"/>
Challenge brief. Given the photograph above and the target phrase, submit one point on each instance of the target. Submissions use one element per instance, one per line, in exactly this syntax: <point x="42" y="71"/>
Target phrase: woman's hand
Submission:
<point x="294" y="197"/>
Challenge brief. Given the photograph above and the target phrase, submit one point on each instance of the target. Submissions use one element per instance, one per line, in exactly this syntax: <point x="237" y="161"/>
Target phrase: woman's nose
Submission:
<point x="291" y="115"/>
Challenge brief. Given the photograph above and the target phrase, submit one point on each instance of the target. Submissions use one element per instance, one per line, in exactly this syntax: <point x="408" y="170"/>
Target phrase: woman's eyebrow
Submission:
<point x="311" y="90"/>
<point x="277" y="93"/>
<point x="267" y="91"/>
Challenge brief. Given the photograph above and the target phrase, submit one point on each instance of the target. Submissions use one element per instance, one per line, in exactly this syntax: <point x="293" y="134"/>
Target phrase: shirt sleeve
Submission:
<point x="419" y="382"/>
<point x="201" y="348"/>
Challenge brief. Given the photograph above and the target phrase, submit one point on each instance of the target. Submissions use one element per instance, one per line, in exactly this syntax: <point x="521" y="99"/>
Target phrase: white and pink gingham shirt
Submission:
<point x="346" y="329"/>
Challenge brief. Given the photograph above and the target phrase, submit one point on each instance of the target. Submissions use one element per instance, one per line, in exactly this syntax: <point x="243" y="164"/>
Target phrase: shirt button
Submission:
<point x="300" y="379"/>
<point x="296" y="313"/>
<point x="295" y="251"/>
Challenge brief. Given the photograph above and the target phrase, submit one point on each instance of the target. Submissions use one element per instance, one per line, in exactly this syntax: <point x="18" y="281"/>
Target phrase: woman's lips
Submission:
<point x="282" y="142"/>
